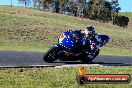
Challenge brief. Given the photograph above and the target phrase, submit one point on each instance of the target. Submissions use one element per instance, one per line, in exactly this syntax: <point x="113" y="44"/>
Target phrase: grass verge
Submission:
<point x="57" y="77"/>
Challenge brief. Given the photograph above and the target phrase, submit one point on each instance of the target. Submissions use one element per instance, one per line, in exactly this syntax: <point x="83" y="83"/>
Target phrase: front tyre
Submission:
<point x="51" y="55"/>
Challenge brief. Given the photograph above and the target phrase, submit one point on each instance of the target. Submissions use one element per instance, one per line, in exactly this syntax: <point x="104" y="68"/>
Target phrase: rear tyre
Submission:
<point x="50" y="55"/>
<point x="85" y="59"/>
<point x="88" y="60"/>
<point x="96" y="53"/>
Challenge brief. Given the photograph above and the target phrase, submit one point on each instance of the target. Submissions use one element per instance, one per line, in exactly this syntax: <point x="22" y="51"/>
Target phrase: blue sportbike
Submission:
<point x="70" y="48"/>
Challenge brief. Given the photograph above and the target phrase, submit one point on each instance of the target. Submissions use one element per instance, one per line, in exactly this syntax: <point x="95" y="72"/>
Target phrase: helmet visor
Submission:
<point x="88" y="35"/>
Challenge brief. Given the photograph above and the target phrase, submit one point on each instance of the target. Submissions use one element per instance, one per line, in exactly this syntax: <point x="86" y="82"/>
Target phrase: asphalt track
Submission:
<point x="35" y="59"/>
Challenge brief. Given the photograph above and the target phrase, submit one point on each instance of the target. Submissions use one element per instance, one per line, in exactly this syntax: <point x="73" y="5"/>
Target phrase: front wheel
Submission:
<point x="51" y="55"/>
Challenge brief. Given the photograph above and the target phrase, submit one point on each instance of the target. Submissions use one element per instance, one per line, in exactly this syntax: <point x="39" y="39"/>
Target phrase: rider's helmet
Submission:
<point x="89" y="32"/>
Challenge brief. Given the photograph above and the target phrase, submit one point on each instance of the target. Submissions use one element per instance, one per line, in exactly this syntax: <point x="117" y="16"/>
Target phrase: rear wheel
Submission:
<point x="88" y="59"/>
<point x="85" y="59"/>
<point x="96" y="53"/>
<point x="51" y="55"/>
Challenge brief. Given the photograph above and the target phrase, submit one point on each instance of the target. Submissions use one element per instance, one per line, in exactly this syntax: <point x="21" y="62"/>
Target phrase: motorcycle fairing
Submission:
<point x="65" y="41"/>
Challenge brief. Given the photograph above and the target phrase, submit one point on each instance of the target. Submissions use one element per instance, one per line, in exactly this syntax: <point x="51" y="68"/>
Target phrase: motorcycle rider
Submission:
<point x="91" y="38"/>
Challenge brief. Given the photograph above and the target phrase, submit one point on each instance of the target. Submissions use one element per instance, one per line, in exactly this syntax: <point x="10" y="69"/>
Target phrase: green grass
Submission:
<point x="23" y="48"/>
<point x="128" y="14"/>
<point x="115" y="52"/>
<point x="57" y="78"/>
<point x="33" y="30"/>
